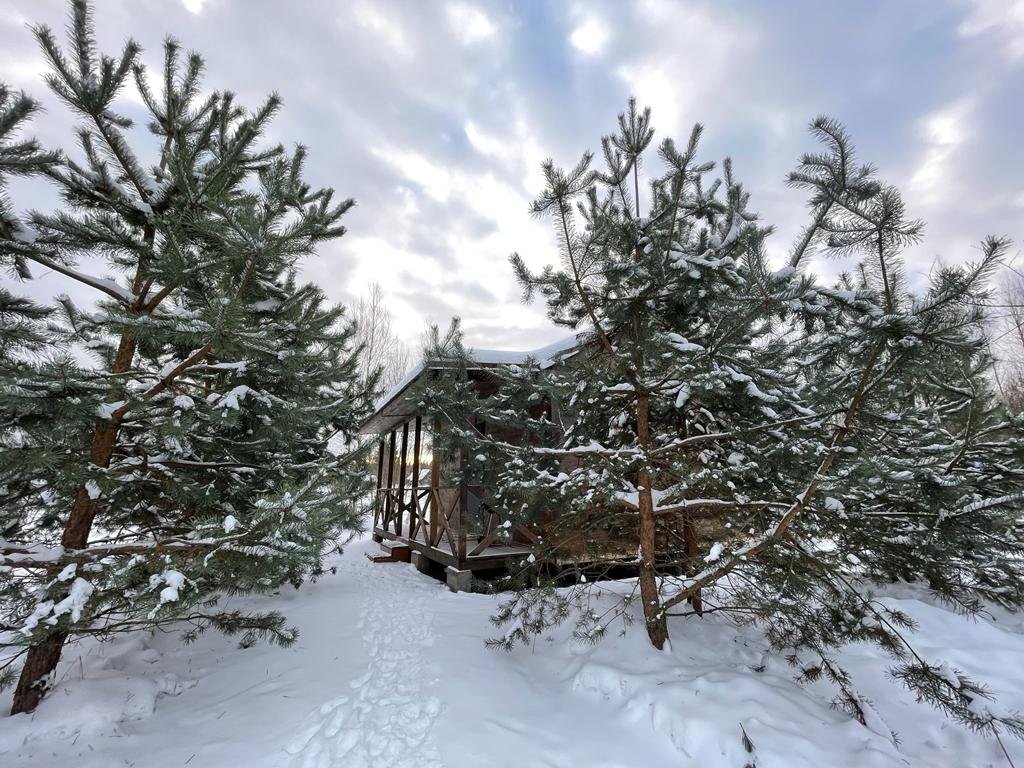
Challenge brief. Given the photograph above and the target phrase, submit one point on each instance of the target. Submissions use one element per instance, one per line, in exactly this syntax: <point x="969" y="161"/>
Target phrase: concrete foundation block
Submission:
<point x="459" y="581"/>
<point x="421" y="561"/>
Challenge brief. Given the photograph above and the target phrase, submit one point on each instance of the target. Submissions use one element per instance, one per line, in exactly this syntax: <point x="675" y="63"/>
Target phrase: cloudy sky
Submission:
<point x="436" y="115"/>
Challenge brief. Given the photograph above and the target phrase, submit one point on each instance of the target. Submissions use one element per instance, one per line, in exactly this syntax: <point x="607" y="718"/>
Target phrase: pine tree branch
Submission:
<point x="696" y="508"/>
<point x="193" y="359"/>
<point x="577" y="279"/>
<point x="711" y="575"/>
<point x="690" y="442"/>
<point x="801" y="247"/>
<point x="22" y="556"/>
<point x="119" y="149"/>
<point x="105" y="286"/>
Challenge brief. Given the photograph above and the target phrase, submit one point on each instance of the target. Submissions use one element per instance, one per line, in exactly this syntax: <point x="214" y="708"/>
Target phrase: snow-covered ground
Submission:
<point x="391" y="670"/>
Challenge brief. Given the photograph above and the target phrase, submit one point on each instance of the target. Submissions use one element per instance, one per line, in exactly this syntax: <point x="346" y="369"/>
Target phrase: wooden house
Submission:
<point x="419" y="513"/>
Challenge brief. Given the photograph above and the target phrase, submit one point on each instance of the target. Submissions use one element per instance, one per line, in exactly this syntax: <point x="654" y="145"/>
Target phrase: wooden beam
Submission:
<point x="416" y="453"/>
<point x="414" y="519"/>
<point x="380" y="464"/>
<point x="463" y="508"/>
<point x="391" y="475"/>
<point x="462" y="505"/>
<point x="435" y="528"/>
<point x="416" y="509"/>
<point x="527" y="533"/>
<point x="380" y="479"/>
<point x="435" y="484"/>
<point x="401" y="478"/>
<point x="446" y="521"/>
<point x="493" y="531"/>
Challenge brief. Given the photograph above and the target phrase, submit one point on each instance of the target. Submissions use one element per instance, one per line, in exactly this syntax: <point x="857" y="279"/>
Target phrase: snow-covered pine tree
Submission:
<point x="168" y="445"/>
<point x="686" y="403"/>
<point x="771" y="445"/>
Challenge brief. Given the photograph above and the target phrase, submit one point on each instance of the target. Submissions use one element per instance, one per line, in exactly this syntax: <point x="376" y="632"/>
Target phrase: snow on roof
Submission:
<point x="405" y="381"/>
<point x="545" y="357"/>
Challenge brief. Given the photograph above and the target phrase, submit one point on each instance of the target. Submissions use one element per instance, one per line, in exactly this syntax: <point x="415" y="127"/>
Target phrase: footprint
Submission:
<point x="387" y="721"/>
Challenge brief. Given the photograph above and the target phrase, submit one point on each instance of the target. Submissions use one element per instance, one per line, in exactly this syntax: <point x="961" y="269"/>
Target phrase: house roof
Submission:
<point x="396" y="406"/>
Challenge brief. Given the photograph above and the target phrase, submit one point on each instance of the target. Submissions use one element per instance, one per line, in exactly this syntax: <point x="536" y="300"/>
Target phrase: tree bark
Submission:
<point x="35" y="675"/>
<point x="657" y="627"/>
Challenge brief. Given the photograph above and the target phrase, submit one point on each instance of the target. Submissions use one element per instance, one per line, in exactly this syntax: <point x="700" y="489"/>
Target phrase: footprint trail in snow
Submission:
<point x="385" y="718"/>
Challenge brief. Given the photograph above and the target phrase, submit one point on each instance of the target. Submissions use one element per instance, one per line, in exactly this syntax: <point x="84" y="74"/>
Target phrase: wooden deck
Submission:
<point x="448" y="525"/>
<point x="489" y="557"/>
<point x="437" y="523"/>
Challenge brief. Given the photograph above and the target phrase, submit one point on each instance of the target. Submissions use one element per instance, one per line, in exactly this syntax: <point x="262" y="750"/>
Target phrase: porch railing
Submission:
<point x="441" y="516"/>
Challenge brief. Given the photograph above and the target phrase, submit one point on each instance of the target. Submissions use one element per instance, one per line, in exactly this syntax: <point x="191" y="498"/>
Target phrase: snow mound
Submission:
<point x="106" y="694"/>
<point x="720" y="681"/>
<point x="86" y="707"/>
<point x="705" y="711"/>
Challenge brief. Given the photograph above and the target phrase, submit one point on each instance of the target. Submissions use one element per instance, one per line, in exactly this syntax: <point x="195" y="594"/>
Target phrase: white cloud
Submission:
<point x="590" y="37"/>
<point x="469" y="23"/>
<point x="943" y="132"/>
<point x="517" y="150"/>
<point x="22" y="71"/>
<point x="652" y="86"/>
<point x="482" y="142"/>
<point x="483" y="193"/>
<point x="1003" y="19"/>
<point x="482" y="258"/>
<point x="436" y="180"/>
<point x="689" y="64"/>
<point x="369" y="17"/>
<point x="193" y="6"/>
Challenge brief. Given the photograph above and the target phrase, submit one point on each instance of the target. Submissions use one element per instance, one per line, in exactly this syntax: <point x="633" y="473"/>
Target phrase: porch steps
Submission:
<point x="393" y="552"/>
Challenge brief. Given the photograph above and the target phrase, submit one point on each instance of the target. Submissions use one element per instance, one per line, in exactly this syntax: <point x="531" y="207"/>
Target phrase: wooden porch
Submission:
<point x="450" y="526"/>
<point x="419" y="512"/>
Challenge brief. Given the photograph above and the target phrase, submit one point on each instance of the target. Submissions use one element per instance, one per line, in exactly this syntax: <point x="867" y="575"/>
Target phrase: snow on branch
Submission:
<point x="109" y="287"/>
<point x="690" y="442"/>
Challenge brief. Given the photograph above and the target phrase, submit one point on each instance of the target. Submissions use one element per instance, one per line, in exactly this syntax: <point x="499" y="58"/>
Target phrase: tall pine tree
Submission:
<point x="167" y="445"/>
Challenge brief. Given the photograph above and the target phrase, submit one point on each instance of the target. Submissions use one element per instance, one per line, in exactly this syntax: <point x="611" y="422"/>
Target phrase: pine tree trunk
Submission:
<point x="657" y="627"/>
<point x="42" y="659"/>
<point x="39" y="665"/>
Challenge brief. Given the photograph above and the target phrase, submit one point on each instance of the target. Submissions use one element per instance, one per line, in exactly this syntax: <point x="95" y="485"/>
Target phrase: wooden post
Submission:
<point x="391" y="474"/>
<point x="401" y="477"/>
<point x="435" y="484"/>
<point x="416" y="454"/>
<point x="414" y="520"/>
<point x="463" y="509"/>
<point x="380" y="481"/>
